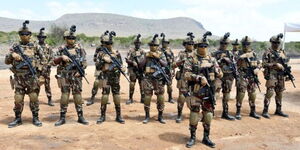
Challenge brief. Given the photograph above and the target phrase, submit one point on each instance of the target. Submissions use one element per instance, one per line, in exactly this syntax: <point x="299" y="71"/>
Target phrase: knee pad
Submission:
<point x="194" y="118"/>
<point x="33" y="97"/>
<point x="104" y="99"/>
<point x="64" y="100"/>
<point x="207" y="117"/>
<point x="77" y="99"/>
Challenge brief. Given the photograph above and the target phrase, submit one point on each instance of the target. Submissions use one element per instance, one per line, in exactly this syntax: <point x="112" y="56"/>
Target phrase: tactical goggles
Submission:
<point x="224" y="43"/>
<point x="275" y="42"/>
<point x="71" y="37"/>
<point x="153" y="45"/>
<point x="24" y="33"/>
<point x="246" y="43"/>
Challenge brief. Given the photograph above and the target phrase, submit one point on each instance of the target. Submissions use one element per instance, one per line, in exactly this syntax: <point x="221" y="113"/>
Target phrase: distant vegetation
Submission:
<point x="55" y="38"/>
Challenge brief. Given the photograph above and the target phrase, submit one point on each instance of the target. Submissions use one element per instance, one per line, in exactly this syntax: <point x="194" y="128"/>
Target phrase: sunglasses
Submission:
<point x="246" y="43"/>
<point x="223" y="43"/>
<point x="202" y="46"/>
<point x="275" y="42"/>
<point x="108" y="43"/>
<point x="24" y="33"/>
<point x="153" y="45"/>
<point x="71" y="38"/>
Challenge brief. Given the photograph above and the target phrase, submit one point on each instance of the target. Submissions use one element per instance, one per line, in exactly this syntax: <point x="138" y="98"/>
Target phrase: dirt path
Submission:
<point x="248" y="134"/>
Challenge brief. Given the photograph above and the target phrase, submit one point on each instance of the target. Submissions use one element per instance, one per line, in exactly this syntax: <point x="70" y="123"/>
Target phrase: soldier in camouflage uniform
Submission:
<point x="69" y="77"/>
<point x="275" y="75"/>
<point x="135" y="73"/>
<point x="111" y="77"/>
<point x="200" y="71"/>
<point x="182" y="84"/>
<point x="153" y="81"/>
<point x="226" y="61"/>
<point x="24" y="80"/>
<point x="247" y="64"/>
<point x="98" y="74"/>
<point x="166" y="50"/>
<point x="235" y="48"/>
<point x="46" y="64"/>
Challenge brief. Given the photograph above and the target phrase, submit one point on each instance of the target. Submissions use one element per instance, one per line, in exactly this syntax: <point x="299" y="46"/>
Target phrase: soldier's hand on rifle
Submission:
<point x="107" y="59"/>
<point x="278" y="66"/>
<point x="202" y="80"/>
<point x="16" y="56"/>
<point x="65" y="58"/>
<point x="123" y="69"/>
<point x="77" y="74"/>
<point x="256" y="71"/>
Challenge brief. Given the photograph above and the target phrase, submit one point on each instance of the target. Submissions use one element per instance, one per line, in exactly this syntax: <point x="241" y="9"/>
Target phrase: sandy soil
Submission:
<point x="276" y="133"/>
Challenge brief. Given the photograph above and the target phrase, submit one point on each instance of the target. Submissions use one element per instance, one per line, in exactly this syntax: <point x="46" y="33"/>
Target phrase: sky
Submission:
<point x="258" y="19"/>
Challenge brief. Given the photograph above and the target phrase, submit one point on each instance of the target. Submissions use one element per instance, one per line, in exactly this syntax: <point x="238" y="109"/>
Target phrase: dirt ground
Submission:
<point x="276" y="133"/>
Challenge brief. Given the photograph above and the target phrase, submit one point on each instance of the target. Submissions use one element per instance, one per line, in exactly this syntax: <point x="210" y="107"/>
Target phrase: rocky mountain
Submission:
<point x="94" y="24"/>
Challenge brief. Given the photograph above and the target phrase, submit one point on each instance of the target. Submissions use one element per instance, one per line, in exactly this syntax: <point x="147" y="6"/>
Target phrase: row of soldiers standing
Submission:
<point x="199" y="77"/>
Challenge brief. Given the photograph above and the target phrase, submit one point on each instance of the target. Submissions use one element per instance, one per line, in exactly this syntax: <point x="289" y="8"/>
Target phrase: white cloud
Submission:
<point x="58" y="9"/>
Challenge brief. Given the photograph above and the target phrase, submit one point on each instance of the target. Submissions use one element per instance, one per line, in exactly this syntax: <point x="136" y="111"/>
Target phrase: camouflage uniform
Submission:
<point x="153" y="81"/>
<point x="46" y="63"/>
<point x="274" y="74"/>
<point x="224" y="58"/>
<point x="247" y="64"/>
<point x="68" y="76"/>
<point x="200" y="71"/>
<point x="23" y="81"/>
<point x="110" y="76"/>
<point x="133" y="59"/>
<point x="182" y="84"/>
<point x="166" y="50"/>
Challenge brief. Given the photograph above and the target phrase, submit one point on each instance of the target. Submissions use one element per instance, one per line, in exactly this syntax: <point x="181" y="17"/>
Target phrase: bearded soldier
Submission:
<point x="98" y="73"/>
<point x="71" y="63"/>
<point x="111" y="66"/>
<point x="227" y="63"/>
<point x="154" y="64"/>
<point x="46" y="64"/>
<point x="200" y="71"/>
<point x="182" y="84"/>
<point x="133" y="59"/>
<point x="170" y="59"/>
<point x="276" y="72"/>
<point x="24" y="58"/>
<point x="247" y="65"/>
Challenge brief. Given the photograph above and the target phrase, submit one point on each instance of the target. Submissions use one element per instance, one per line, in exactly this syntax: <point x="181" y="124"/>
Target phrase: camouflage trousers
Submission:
<point x="46" y="76"/>
<point x="195" y="103"/>
<point x="26" y="84"/>
<point x="276" y="86"/>
<point x="133" y="78"/>
<point x="70" y="83"/>
<point x="150" y="84"/>
<point x="243" y="85"/>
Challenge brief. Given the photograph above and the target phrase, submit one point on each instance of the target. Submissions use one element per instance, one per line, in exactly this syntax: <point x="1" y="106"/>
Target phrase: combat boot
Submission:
<point x="265" y="113"/>
<point x="118" y="113"/>
<point x="17" y="121"/>
<point x="50" y="102"/>
<point x="160" y="117"/>
<point x="206" y="140"/>
<point x="253" y="113"/>
<point x="192" y="139"/>
<point x="279" y="112"/>
<point x="80" y="115"/>
<point x="225" y="114"/>
<point x="91" y="100"/>
<point x="147" y="115"/>
<point x="179" y="115"/>
<point x="35" y="119"/>
<point x="103" y="113"/>
<point x="238" y="113"/>
<point x="129" y="101"/>
<point x="62" y="119"/>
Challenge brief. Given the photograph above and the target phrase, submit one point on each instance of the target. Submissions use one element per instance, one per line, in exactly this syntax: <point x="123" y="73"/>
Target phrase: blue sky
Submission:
<point x="258" y="19"/>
